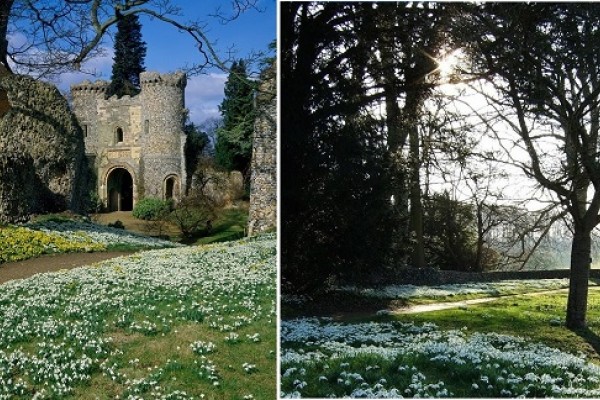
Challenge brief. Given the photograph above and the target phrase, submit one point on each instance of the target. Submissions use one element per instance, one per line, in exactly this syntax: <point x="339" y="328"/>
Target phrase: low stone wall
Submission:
<point x="432" y="276"/>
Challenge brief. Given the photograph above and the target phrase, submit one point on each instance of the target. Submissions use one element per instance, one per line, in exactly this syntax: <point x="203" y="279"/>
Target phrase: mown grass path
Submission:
<point x="423" y="308"/>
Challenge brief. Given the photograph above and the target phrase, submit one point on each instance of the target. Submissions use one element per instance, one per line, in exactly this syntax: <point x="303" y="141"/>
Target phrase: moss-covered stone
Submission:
<point x="43" y="166"/>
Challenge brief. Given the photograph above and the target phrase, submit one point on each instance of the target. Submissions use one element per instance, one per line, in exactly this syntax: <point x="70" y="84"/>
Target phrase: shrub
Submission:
<point x="117" y="224"/>
<point x="193" y="213"/>
<point x="151" y="209"/>
<point x="95" y="203"/>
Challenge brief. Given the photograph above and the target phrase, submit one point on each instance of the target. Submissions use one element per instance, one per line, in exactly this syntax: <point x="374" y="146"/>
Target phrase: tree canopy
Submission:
<point x="59" y="35"/>
<point x="233" y="149"/>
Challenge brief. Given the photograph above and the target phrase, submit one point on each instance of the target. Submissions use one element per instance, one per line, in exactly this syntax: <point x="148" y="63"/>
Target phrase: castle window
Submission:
<point x="146" y="126"/>
<point x="119" y="138"/>
<point x="85" y="130"/>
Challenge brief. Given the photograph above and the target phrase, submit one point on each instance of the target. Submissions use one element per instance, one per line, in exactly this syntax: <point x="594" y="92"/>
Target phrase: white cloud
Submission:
<point x="96" y="68"/>
<point x="203" y="95"/>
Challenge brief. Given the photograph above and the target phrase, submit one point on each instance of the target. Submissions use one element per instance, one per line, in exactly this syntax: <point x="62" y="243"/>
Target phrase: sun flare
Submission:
<point x="448" y="63"/>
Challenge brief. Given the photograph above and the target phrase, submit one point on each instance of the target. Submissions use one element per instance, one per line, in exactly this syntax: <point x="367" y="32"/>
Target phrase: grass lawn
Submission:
<point x="512" y="347"/>
<point x="230" y="225"/>
<point x="180" y="323"/>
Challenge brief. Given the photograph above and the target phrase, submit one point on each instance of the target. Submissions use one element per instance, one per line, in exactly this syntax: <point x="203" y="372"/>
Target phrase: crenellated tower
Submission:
<point x="163" y="138"/>
<point x="135" y="143"/>
<point x="86" y="97"/>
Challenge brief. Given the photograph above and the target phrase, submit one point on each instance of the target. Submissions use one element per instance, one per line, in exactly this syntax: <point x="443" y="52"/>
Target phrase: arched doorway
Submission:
<point x="120" y="190"/>
<point x="169" y="187"/>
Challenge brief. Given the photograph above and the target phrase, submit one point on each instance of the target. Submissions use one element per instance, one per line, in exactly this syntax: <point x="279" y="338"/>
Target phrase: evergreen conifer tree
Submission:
<point x="233" y="149"/>
<point x="130" y="52"/>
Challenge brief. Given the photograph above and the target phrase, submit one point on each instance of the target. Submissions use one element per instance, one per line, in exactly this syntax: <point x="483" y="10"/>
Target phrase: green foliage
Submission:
<point x="130" y="52"/>
<point x="152" y="209"/>
<point x="233" y="149"/>
<point x="192" y="214"/>
<point x="340" y="210"/>
<point x="118" y="224"/>
<point x="229" y="224"/>
<point x="196" y="143"/>
<point x="95" y="204"/>
<point x="449" y="227"/>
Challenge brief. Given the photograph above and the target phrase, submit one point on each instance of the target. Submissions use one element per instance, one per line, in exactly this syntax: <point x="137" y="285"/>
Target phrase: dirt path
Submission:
<point x="53" y="262"/>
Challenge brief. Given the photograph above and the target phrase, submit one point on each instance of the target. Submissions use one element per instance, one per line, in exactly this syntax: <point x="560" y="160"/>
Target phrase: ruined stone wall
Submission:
<point x="43" y="166"/>
<point x="263" y="189"/>
<point x="86" y="97"/>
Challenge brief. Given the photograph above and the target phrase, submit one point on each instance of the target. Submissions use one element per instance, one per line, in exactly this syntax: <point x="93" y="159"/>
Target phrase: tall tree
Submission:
<point x="355" y="73"/>
<point x="543" y="61"/>
<point x="233" y="149"/>
<point x="130" y="53"/>
<point x="333" y="179"/>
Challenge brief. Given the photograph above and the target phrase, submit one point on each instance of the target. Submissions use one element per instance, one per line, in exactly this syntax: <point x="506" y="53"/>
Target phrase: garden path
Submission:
<point x="53" y="262"/>
<point x="421" y="308"/>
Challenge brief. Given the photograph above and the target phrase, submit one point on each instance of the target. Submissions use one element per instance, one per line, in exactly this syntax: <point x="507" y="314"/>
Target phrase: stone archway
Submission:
<point x="119" y="184"/>
<point x="171" y="190"/>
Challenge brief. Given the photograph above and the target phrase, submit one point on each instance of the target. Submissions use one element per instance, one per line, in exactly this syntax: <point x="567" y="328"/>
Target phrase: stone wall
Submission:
<point x="434" y="276"/>
<point x="43" y="166"/>
<point x="263" y="186"/>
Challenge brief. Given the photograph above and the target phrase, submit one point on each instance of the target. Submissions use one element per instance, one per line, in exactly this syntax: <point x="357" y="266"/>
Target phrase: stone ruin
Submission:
<point x="263" y="189"/>
<point x="42" y="162"/>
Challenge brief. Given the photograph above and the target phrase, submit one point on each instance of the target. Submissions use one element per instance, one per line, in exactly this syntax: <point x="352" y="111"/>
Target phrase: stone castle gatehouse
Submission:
<point x="134" y="144"/>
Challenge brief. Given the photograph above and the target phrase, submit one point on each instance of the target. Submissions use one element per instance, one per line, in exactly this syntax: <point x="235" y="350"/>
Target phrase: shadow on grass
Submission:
<point x="341" y="306"/>
<point x="230" y="225"/>
<point x="590" y="338"/>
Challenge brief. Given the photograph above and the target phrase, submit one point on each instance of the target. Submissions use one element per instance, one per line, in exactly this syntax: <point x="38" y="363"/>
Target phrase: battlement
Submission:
<point x="90" y="87"/>
<point x="177" y="79"/>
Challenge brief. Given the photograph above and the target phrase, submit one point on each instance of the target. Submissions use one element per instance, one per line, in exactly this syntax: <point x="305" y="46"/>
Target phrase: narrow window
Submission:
<point x="85" y="130"/>
<point x="119" y="135"/>
<point x="146" y="126"/>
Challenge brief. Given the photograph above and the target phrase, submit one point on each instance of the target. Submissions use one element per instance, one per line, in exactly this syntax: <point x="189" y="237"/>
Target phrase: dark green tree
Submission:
<point x="341" y="62"/>
<point x="130" y="52"/>
<point x="334" y="205"/>
<point x="196" y="142"/>
<point x="233" y="149"/>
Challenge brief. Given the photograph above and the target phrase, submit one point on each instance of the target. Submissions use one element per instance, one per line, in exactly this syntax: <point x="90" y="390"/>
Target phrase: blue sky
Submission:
<point x="169" y="50"/>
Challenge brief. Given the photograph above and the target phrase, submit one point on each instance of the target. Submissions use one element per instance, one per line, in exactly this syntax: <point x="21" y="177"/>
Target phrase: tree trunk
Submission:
<point x="480" y="239"/>
<point x="580" y="273"/>
<point x="412" y="111"/>
<point x="5" y="7"/>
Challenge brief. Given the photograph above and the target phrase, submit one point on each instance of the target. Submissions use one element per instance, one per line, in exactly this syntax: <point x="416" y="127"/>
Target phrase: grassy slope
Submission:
<point x="146" y="296"/>
<point x="530" y="317"/>
<point x="230" y="225"/>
